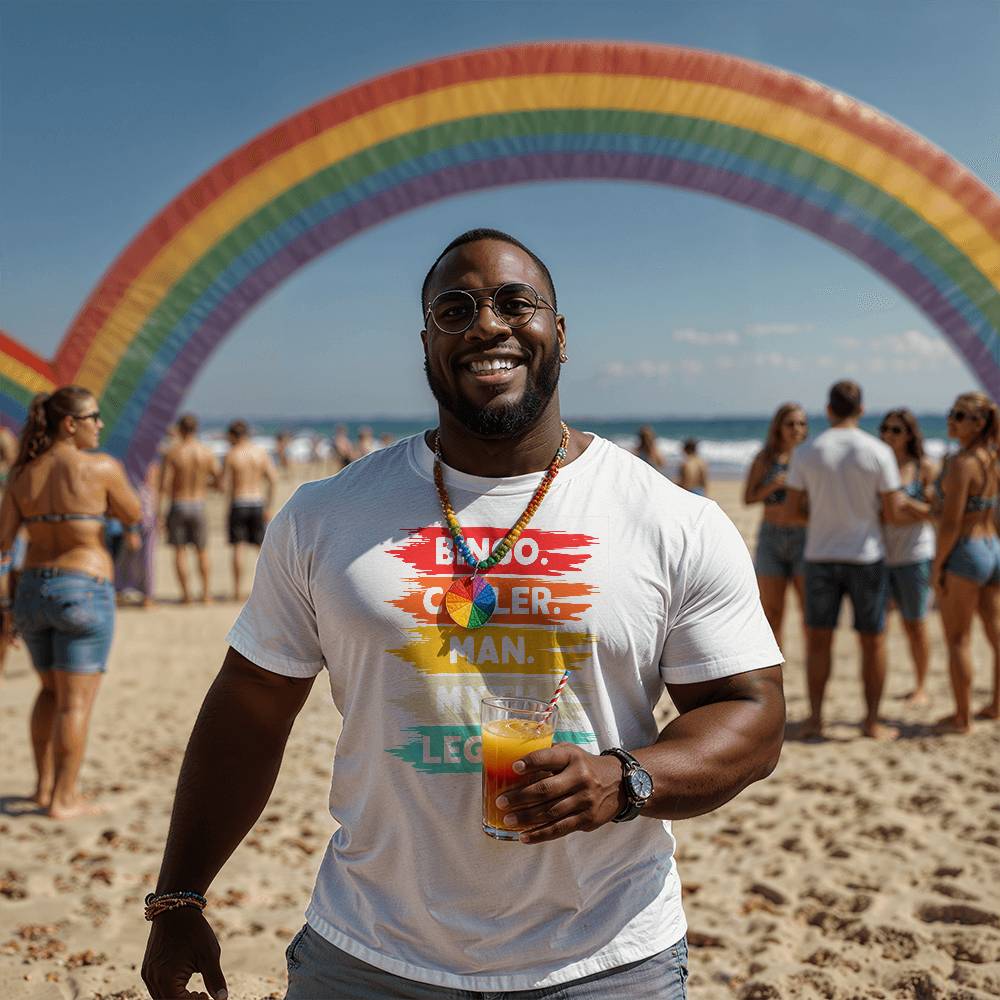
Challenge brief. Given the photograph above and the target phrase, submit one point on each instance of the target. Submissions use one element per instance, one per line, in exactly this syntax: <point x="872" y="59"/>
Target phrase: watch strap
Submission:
<point x="628" y="763"/>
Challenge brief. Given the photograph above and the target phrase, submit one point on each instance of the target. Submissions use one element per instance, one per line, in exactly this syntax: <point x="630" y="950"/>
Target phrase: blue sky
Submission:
<point x="676" y="303"/>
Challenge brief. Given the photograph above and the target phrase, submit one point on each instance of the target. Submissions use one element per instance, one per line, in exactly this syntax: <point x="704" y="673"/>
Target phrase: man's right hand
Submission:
<point x="182" y="943"/>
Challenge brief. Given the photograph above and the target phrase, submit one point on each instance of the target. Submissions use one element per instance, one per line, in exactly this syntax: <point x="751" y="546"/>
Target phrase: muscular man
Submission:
<point x="603" y="568"/>
<point x="189" y="469"/>
<point x="249" y="477"/>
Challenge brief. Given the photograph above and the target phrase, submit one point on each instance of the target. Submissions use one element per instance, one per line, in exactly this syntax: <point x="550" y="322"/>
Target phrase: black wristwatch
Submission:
<point x="636" y="783"/>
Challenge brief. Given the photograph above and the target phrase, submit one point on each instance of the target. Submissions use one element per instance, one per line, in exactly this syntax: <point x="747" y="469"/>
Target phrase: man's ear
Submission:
<point x="561" y="332"/>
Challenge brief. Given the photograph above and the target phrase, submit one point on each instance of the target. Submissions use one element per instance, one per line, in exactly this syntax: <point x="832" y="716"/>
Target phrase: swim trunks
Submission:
<point x="246" y="522"/>
<point x="186" y="523"/>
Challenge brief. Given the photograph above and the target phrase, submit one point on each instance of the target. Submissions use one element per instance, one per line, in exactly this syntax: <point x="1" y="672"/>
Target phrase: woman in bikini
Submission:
<point x="909" y="546"/>
<point x="64" y="606"/>
<point x="966" y="567"/>
<point x="782" y="537"/>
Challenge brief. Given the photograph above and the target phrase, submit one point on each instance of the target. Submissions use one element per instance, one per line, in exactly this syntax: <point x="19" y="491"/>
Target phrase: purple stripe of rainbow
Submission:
<point x="505" y="171"/>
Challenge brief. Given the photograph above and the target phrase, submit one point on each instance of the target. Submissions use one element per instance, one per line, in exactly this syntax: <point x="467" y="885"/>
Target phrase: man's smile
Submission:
<point x="493" y="368"/>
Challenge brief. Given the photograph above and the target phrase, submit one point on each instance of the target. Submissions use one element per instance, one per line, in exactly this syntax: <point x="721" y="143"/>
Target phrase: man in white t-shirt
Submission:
<point x="850" y="481"/>
<point x="615" y="576"/>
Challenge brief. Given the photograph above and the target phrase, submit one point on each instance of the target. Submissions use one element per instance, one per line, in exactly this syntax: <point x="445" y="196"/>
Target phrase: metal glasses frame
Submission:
<point x="478" y="304"/>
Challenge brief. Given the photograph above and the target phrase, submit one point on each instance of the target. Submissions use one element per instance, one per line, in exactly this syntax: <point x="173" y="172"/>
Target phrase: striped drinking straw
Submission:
<point x="555" y="695"/>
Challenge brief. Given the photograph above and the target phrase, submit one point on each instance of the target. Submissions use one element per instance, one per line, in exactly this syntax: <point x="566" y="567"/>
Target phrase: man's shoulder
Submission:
<point x="646" y="489"/>
<point x="356" y="486"/>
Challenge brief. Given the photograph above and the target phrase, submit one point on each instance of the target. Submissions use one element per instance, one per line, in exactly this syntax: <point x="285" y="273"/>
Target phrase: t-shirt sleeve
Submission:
<point x="716" y="625"/>
<point x="888" y="472"/>
<point x="277" y="628"/>
<point x="796" y="478"/>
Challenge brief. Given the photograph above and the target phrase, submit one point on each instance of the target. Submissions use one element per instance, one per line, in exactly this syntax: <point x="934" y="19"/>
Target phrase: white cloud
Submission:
<point x="915" y="343"/>
<point x="637" y="369"/>
<point x="705" y="338"/>
<point x="850" y="343"/>
<point x="759" y="359"/>
<point x="777" y="329"/>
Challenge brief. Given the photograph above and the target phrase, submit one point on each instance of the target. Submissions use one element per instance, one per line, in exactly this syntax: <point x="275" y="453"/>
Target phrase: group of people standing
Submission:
<point x="189" y="471"/>
<point x="692" y="471"/>
<point x="873" y="519"/>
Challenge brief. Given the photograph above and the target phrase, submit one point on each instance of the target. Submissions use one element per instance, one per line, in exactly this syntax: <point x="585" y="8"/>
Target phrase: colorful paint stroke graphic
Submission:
<point x="536" y="633"/>
<point x="712" y="123"/>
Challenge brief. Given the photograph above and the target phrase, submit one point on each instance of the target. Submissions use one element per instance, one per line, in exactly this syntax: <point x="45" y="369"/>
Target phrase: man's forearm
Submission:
<point x="230" y="767"/>
<point x="708" y="755"/>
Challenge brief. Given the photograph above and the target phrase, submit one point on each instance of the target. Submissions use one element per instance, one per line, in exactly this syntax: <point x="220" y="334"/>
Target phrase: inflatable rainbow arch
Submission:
<point x="713" y="123"/>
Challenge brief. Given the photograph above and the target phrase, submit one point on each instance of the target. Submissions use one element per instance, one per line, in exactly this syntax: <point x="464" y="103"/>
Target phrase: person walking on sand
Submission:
<point x="781" y="541"/>
<point x="909" y="545"/>
<point x="189" y="469"/>
<point x="64" y="607"/>
<point x="693" y="473"/>
<point x="850" y="480"/>
<point x="966" y="568"/>
<point x="249" y="478"/>
<point x="412" y="898"/>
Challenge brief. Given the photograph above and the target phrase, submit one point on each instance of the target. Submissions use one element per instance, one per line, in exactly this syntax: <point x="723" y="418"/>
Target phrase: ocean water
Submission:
<point x="728" y="444"/>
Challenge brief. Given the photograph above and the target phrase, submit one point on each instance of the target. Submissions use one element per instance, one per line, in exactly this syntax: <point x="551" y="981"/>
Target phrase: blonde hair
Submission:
<point x="982" y="406"/>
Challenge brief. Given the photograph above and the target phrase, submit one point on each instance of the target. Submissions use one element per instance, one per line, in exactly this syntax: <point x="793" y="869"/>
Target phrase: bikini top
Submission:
<point x="974" y="504"/>
<point x="60" y="518"/>
<point x="778" y="496"/>
<point x="915" y="489"/>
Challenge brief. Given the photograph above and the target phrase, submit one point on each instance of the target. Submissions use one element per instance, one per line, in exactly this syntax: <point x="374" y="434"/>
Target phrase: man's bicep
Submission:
<point x="271" y="698"/>
<point x="763" y="686"/>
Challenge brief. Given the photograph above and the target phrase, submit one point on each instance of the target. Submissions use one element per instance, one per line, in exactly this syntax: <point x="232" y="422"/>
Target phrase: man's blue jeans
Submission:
<point x="317" y="970"/>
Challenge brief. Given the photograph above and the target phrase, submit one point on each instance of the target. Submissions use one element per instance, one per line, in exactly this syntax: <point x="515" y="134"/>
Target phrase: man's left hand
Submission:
<point x="567" y="789"/>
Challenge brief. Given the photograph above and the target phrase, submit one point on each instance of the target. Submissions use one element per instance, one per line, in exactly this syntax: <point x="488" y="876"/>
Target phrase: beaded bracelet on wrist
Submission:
<point x="157" y="904"/>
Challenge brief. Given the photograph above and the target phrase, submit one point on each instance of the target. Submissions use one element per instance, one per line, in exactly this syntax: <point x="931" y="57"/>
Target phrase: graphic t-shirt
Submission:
<point x="622" y="578"/>
<point x="845" y="471"/>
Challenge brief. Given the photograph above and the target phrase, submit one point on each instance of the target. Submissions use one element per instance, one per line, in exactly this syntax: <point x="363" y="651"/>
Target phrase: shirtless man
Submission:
<point x="694" y="473"/>
<point x="245" y="471"/>
<point x="189" y="469"/>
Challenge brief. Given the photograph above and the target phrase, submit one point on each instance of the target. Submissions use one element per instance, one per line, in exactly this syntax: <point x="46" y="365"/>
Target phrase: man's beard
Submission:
<point x="500" y="421"/>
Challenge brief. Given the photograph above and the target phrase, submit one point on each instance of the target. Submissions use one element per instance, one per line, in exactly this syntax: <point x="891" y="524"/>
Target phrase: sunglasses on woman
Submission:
<point x="959" y="415"/>
<point x="892" y="429"/>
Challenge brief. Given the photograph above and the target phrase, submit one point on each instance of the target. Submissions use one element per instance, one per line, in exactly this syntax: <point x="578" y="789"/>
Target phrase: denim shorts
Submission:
<point x="66" y="619"/>
<point x="866" y="584"/>
<point x="318" y="970"/>
<point x="910" y="588"/>
<point x="780" y="548"/>
<point x="976" y="559"/>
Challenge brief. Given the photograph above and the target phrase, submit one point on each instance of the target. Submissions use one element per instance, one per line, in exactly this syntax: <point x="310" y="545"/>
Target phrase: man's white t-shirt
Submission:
<point x="845" y="471"/>
<point x="621" y="577"/>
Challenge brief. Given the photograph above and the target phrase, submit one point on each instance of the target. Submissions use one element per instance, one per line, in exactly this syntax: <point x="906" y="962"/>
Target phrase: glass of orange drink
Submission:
<point x="511" y="728"/>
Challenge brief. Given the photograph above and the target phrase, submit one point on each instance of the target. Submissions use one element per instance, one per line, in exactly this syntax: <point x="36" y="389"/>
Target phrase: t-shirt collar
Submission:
<point x="422" y="460"/>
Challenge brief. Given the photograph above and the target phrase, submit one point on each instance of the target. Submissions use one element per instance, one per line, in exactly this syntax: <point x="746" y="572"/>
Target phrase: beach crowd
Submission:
<point x="875" y="520"/>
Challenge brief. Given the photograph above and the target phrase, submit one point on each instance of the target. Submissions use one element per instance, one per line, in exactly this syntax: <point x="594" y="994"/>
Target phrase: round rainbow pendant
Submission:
<point x="470" y="602"/>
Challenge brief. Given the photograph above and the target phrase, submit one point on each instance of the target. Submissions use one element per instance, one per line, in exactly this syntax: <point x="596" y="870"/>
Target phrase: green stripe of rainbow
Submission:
<point x="746" y="132"/>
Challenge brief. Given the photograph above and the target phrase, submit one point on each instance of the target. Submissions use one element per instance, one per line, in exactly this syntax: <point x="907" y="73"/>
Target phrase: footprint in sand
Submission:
<point x="957" y="913"/>
<point x="980" y="947"/>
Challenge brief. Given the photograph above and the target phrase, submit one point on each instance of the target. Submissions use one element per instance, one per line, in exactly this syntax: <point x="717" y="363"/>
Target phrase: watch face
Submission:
<point x="640" y="784"/>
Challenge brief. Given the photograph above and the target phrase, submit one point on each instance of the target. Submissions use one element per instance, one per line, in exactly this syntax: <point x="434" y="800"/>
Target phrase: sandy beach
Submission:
<point x="857" y="870"/>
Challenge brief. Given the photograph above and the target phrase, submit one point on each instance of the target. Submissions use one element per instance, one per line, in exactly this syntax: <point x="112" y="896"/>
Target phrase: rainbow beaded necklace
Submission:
<point x="471" y="601"/>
